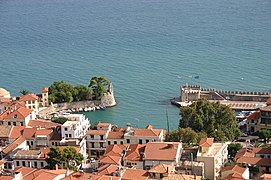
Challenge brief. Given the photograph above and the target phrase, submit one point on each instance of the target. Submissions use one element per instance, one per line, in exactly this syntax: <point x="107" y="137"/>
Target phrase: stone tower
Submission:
<point x="108" y="98"/>
<point x="45" y="96"/>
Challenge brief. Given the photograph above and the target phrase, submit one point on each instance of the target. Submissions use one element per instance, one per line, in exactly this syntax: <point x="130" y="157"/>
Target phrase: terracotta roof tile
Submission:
<point x="29" y="133"/>
<point x="146" y="132"/>
<point x="234" y="168"/>
<point x="16" y="132"/>
<point x="14" y="145"/>
<point x="267" y="108"/>
<point x="133" y="152"/>
<point x="44" y="132"/>
<point x="45" y="89"/>
<point x="166" y="151"/>
<point x="206" y="142"/>
<point x="96" y="132"/>
<point x="107" y="169"/>
<point x="115" y="135"/>
<point x="254" y="116"/>
<point x="42" y="123"/>
<point x="261" y="150"/>
<point x="266" y="176"/>
<point x="182" y="177"/>
<point x="254" y="161"/>
<point x="29" y="97"/>
<point x="5" y="131"/>
<point x="110" y="159"/>
<point x="20" y="113"/>
<point x="135" y="174"/>
<point x="162" y="168"/>
<point x="234" y="176"/>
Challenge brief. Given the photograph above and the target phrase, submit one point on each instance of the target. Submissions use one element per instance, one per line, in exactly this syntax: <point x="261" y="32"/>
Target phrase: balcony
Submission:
<point x="96" y="148"/>
<point x="96" y="140"/>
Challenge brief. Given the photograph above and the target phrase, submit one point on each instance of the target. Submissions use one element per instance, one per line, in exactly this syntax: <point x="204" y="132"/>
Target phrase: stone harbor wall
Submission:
<point x="107" y="100"/>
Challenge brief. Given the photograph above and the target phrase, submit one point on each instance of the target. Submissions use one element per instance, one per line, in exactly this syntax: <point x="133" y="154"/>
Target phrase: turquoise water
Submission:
<point x="146" y="48"/>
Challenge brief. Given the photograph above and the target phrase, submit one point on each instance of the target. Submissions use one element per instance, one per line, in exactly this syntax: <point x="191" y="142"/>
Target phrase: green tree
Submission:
<point x="215" y="119"/>
<point x="24" y="92"/>
<point x="233" y="148"/>
<point x="61" y="92"/>
<point x="67" y="158"/>
<point x="99" y="86"/>
<point x="82" y="93"/>
<point x="187" y="135"/>
<point x="60" y="120"/>
<point x="264" y="134"/>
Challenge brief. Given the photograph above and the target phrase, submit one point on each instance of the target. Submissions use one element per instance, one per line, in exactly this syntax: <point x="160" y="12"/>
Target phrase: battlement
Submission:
<point x="194" y="92"/>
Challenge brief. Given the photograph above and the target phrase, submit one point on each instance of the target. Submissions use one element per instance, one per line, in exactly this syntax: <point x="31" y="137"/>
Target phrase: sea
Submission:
<point x="147" y="48"/>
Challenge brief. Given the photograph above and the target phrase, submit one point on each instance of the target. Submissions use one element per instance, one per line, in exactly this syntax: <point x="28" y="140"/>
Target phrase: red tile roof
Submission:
<point x="5" y="131"/>
<point x="45" y="89"/>
<point x="20" y="113"/>
<point x="133" y="152"/>
<point x="146" y="132"/>
<point x="29" y="97"/>
<point x="164" y="151"/>
<point x="29" y="133"/>
<point x="16" y="132"/>
<point x="115" y="135"/>
<point x="97" y="132"/>
<point x="267" y="108"/>
<point x="14" y="145"/>
<point x="266" y="177"/>
<point x="103" y="124"/>
<point x="254" y="116"/>
<point x="43" y="132"/>
<point x="234" y="176"/>
<point x="110" y="159"/>
<point x="254" y="161"/>
<point x="162" y="168"/>
<point x="206" y="142"/>
<point x="261" y="150"/>
<point x="107" y="169"/>
<point x="42" y="123"/>
<point x="135" y="174"/>
<point x="234" y="168"/>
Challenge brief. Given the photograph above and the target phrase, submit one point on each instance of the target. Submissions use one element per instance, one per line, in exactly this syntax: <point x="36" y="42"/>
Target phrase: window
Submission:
<point x="147" y="141"/>
<point x="23" y="163"/>
<point x="92" y="144"/>
<point x="14" y="123"/>
<point x="21" y="123"/>
<point x="31" y="143"/>
<point x="252" y="121"/>
<point x="128" y="141"/>
<point x="101" y="144"/>
<point x="140" y="141"/>
<point x="66" y="135"/>
<point x="9" y="123"/>
<point x="268" y="156"/>
<point x="53" y="143"/>
<point x="15" y="116"/>
<point x="92" y="136"/>
<point x="35" y="164"/>
<point x="115" y="142"/>
<point x="17" y="163"/>
<point x="121" y="142"/>
<point x="65" y="129"/>
<point x="70" y="135"/>
<point x="109" y="142"/>
<point x="27" y="142"/>
<point x="102" y="137"/>
<point x="41" y="164"/>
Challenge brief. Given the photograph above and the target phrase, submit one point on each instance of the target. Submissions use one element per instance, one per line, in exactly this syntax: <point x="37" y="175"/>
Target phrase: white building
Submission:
<point x="214" y="155"/>
<point x="30" y="158"/>
<point x="31" y="101"/>
<point x="76" y="127"/>
<point x="45" y="97"/>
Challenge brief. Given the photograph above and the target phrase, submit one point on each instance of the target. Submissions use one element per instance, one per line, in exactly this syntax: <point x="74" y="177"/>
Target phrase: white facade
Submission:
<point x="214" y="158"/>
<point x="33" y="104"/>
<point x="76" y="127"/>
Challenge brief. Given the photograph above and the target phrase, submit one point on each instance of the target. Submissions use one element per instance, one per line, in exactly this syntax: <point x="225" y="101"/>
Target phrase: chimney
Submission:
<point x="56" y="167"/>
<point x="128" y="127"/>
